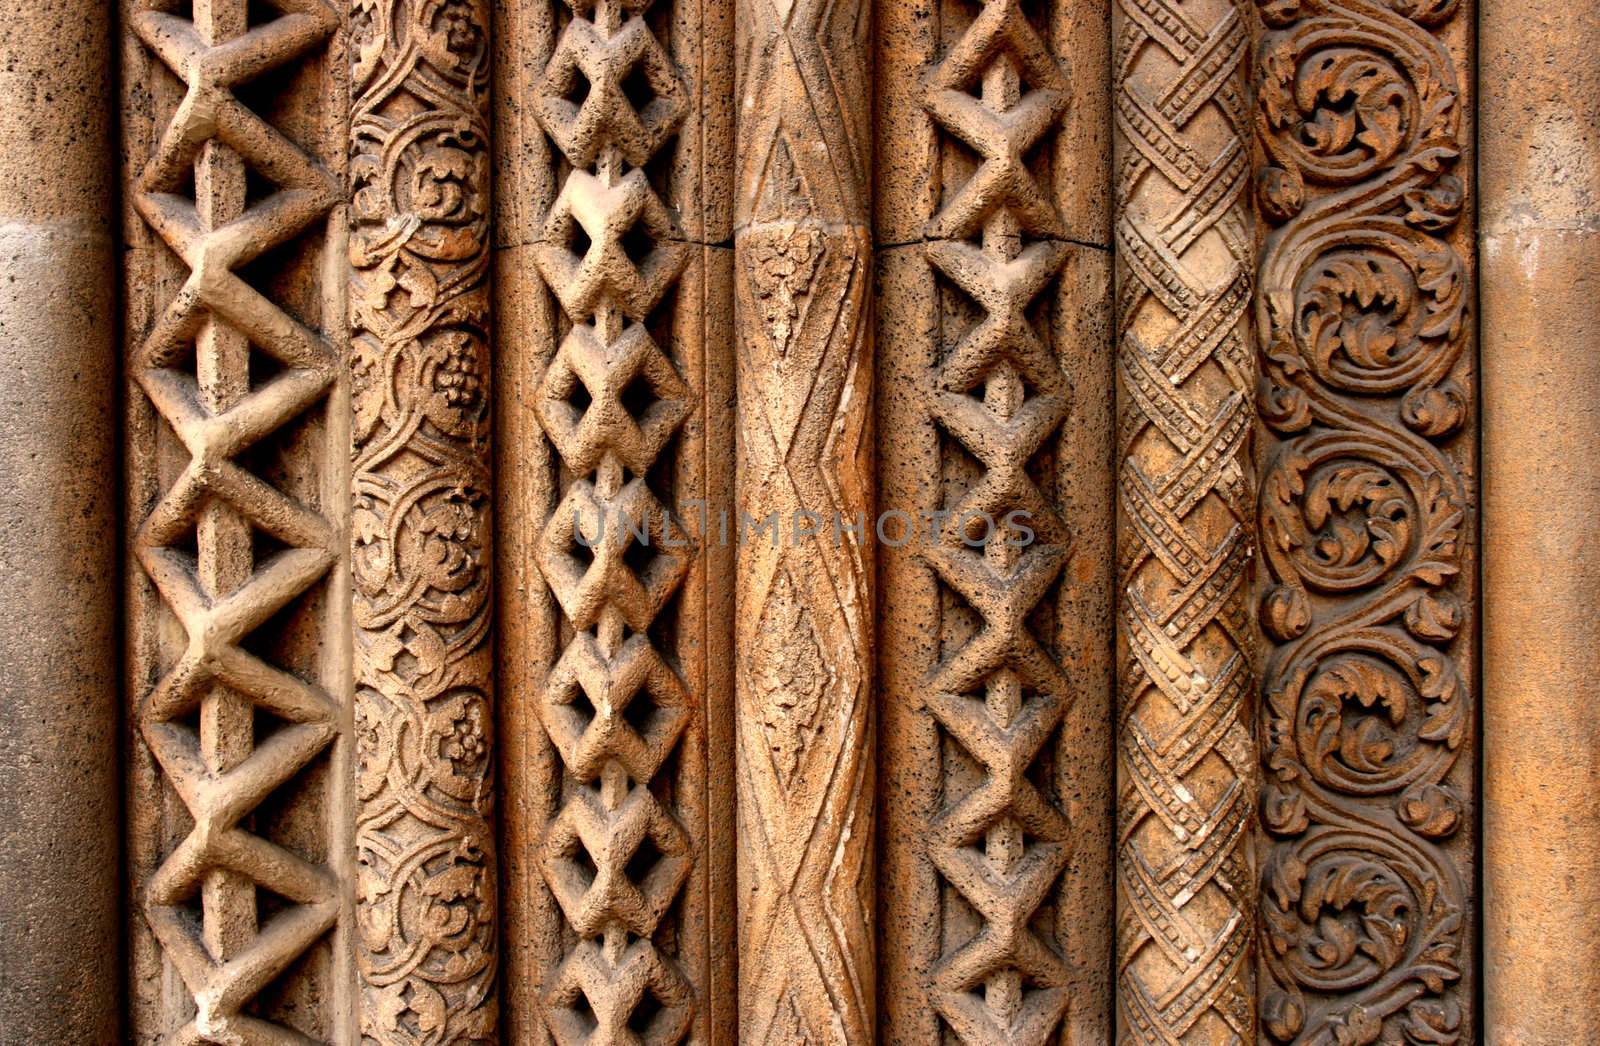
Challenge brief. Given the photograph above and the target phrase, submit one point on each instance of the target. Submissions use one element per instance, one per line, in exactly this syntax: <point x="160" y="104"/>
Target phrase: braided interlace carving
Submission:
<point x="419" y="360"/>
<point x="614" y="856"/>
<point x="1001" y="392"/>
<point x="198" y="542"/>
<point x="1185" y="884"/>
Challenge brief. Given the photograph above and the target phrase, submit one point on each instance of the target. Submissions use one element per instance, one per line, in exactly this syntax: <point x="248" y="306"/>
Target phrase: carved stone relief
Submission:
<point x="1366" y="523"/>
<point x="419" y="260"/>
<point x="238" y="449"/>
<point x="803" y="640"/>
<point x="1186" y="880"/>
<point x="613" y="385"/>
<point x="994" y="406"/>
<point x="921" y="589"/>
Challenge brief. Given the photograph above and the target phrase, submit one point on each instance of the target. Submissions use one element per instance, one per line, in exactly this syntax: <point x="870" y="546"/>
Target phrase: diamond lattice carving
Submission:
<point x="198" y="541"/>
<point x="1000" y="392"/>
<point x="613" y="855"/>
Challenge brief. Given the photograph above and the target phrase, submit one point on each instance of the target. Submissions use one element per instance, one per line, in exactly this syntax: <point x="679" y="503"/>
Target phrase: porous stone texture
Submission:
<point x="1539" y="208"/>
<point x="994" y="406"/>
<point x="1196" y="763"/>
<point x="59" y="911"/>
<point x="240" y="824"/>
<point x="614" y="388"/>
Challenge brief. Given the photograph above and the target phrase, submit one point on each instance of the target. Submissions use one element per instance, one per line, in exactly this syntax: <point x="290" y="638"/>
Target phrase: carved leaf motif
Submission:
<point x="788" y="671"/>
<point x="784" y="263"/>
<point x="1359" y="1028"/>
<point x="1365" y="747"/>
<point x="418" y="253"/>
<point x="1363" y="516"/>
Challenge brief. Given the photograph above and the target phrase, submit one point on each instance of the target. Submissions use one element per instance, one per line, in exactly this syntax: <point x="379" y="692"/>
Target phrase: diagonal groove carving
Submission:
<point x="1185" y="748"/>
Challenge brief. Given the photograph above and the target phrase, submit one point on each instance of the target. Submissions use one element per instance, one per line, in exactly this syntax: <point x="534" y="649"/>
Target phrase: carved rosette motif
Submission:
<point x="1364" y="517"/>
<point x="803" y="632"/>
<point x="241" y="532"/>
<point x="1186" y="375"/>
<point x="420" y="528"/>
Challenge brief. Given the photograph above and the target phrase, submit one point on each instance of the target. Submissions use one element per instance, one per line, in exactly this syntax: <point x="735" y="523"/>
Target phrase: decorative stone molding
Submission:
<point x="614" y="391"/>
<point x="238" y="445"/>
<point x="994" y="378"/>
<point x="419" y="363"/>
<point x="803" y="683"/>
<point x="1366" y="522"/>
<point x="980" y="541"/>
<point x="1186" y="378"/>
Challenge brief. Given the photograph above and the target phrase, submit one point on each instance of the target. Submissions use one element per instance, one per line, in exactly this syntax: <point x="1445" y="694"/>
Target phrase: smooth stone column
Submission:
<point x="58" y="537"/>
<point x="1539" y="148"/>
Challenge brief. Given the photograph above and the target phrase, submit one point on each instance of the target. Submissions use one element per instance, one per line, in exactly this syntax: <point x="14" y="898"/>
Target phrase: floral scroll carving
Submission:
<point x="420" y="529"/>
<point x="1365" y="527"/>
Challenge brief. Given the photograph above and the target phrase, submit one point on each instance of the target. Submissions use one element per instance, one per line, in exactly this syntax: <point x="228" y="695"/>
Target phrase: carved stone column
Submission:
<point x="1539" y="138"/>
<point x="995" y="410"/>
<point x="615" y="453"/>
<point x="238" y="441"/>
<point x="58" y="552"/>
<point x="1366" y="521"/>
<point x="803" y="679"/>
<point x="419" y="362"/>
<point x="1186" y="378"/>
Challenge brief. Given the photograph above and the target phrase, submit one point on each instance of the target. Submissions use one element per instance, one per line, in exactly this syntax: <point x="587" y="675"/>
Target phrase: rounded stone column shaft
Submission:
<point x="1186" y="773"/>
<point x="424" y="661"/>
<point x="803" y="585"/>
<point x="1540" y="220"/>
<point x="58" y="536"/>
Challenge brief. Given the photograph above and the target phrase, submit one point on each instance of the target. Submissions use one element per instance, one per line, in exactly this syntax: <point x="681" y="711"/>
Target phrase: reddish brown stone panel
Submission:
<point x="1539" y="233"/>
<point x="59" y="601"/>
<point x="994" y="401"/>
<point x="1367" y="508"/>
<point x="238" y="442"/>
<point x="613" y="392"/>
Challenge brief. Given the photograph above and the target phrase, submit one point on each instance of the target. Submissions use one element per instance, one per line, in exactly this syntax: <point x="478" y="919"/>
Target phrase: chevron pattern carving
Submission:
<point x="803" y="634"/>
<point x="985" y="936"/>
<point x="204" y="718"/>
<point x="1002" y="394"/>
<point x="1186" y="882"/>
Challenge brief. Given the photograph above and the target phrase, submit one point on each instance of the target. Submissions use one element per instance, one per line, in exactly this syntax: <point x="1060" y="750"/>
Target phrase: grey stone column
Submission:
<point x="58" y="536"/>
<point x="1539" y="158"/>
